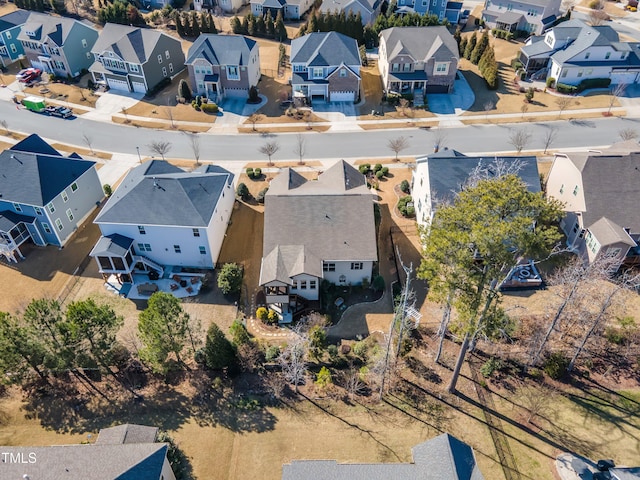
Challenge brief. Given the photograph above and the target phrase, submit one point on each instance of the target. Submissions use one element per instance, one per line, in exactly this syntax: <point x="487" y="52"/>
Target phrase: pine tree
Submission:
<point x="236" y="26"/>
<point x="312" y="26"/>
<point x="480" y="47"/>
<point x="179" y="25"/>
<point x="458" y="37"/>
<point x="280" y="29"/>
<point x="195" y="26"/>
<point x="251" y="24"/>
<point x="470" y="46"/>
<point x="245" y="25"/>
<point x="186" y="22"/>
<point x="268" y="24"/>
<point x="218" y="351"/>
<point x="212" y="24"/>
<point x="261" y="28"/>
<point x="462" y="46"/>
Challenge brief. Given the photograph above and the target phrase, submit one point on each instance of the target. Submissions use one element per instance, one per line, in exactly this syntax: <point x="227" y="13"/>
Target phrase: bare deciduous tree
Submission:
<point x="300" y="148"/>
<point x="169" y="113"/>
<point x="124" y="112"/>
<point x="563" y="103"/>
<point x="269" y="149"/>
<point x="253" y="119"/>
<point x="549" y="137"/>
<point x="160" y="147"/>
<point x="597" y="17"/>
<point x="5" y="125"/>
<point x="88" y="142"/>
<point x="524" y="108"/>
<point x="519" y="138"/>
<point x="404" y="104"/>
<point x="293" y="358"/>
<point x="487" y="107"/>
<point x="627" y="134"/>
<point x="353" y="383"/>
<point x="397" y="145"/>
<point x="439" y="139"/>
<point x="535" y="399"/>
<point x="615" y="92"/>
<point x="194" y="143"/>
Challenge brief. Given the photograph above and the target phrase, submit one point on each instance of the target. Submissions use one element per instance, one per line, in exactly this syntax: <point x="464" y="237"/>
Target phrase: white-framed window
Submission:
<point x="65" y="197"/>
<point x="607" y="55"/>
<point x="171" y="67"/>
<point x="303" y="284"/>
<point x="134" y="68"/>
<point x="313" y="284"/>
<point x="17" y="207"/>
<point x="166" y="54"/>
<point x="74" y="186"/>
<point x="159" y="58"/>
<point x="406" y="67"/>
<point x="8" y="34"/>
<point x="13" y="48"/>
<point x="329" y="267"/>
<point x="59" y="224"/>
<point x="356" y="265"/>
<point x="51" y="208"/>
<point x="196" y="232"/>
<point x="233" y="72"/>
<point x="613" y="252"/>
<point x="177" y="249"/>
<point x="441" y="68"/>
<point x="317" y="72"/>
<point x="141" y="230"/>
<point x="587" y="55"/>
<point x="203" y="250"/>
<point x="343" y="72"/>
<point x="38" y="210"/>
<point x="84" y="43"/>
<point x="45" y="227"/>
<point x="69" y="214"/>
<point x="144" y="247"/>
<point x="576" y="190"/>
<point x="164" y="71"/>
<point x="395" y="67"/>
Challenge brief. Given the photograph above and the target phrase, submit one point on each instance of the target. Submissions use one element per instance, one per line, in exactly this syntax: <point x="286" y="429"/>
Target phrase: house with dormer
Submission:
<point x="533" y="16"/>
<point x="223" y="66"/>
<point x="367" y="9"/>
<point x="44" y="196"/>
<point x="314" y="231"/>
<point x="134" y="59"/>
<point x="574" y="51"/>
<point x="57" y="45"/>
<point x="289" y="9"/>
<point x="161" y="215"/>
<point x="325" y="66"/>
<point x="418" y="60"/>
<point x="443" y="9"/>
<point x="10" y="47"/>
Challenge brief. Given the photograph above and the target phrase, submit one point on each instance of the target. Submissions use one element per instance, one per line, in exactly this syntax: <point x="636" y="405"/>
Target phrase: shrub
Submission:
<point x="529" y="94"/>
<point x="594" y="83"/>
<point x="253" y="95"/>
<point x="242" y="191"/>
<point x="230" y="278"/>
<point x="404" y="186"/>
<point x="490" y="367"/>
<point x="323" y="378"/>
<point x="261" y="194"/>
<point x="272" y="352"/>
<point x="378" y="283"/>
<point x="239" y="333"/>
<point x="257" y="173"/>
<point x="595" y="5"/>
<point x="210" y="108"/>
<point x="385" y="171"/>
<point x="379" y="174"/>
<point x="332" y="350"/>
<point x="249" y="172"/>
<point x="564" y="88"/>
<point x="106" y="188"/>
<point x="551" y="82"/>
<point x="364" y="168"/>
<point x="360" y="349"/>
<point x="262" y="314"/>
<point x="404" y="208"/>
<point x="516" y="64"/>
<point x="377" y="167"/>
<point x="272" y="317"/>
<point x="184" y="90"/>
<point x="393" y="98"/>
<point x="556" y="365"/>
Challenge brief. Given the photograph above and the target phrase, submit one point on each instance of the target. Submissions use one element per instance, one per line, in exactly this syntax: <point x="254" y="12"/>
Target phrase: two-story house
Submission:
<point x="533" y="16"/>
<point x="443" y="9"/>
<point x="368" y="9"/>
<point x="57" y="45"/>
<point x="316" y="230"/>
<point x="573" y="52"/>
<point x="326" y="66"/>
<point x="598" y="190"/>
<point x="223" y="66"/>
<point x="161" y="215"/>
<point x="10" y="46"/>
<point x="134" y="59"/>
<point x="290" y="9"/>
<point x="418" y="60"/>
<point x="44" y="196"/>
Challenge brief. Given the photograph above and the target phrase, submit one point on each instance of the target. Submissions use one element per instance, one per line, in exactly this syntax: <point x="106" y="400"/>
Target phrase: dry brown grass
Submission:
<point x="390" y="126"/>
<point x="287" y="129"/>
<point x="159" y="125"/>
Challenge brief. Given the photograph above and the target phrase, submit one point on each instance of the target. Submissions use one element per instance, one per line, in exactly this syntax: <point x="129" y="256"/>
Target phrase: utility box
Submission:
<point x="35" y="104"/>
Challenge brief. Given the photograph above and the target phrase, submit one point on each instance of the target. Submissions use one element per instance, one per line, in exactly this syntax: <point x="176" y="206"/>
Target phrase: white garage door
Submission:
<point x="139" y="87"/>
<point x="317" y="90"/>
<point x="118" y="84"/>
<point x="623" y="77"/>
<point x="343" y="96"/>
<point x="236" y="92"/>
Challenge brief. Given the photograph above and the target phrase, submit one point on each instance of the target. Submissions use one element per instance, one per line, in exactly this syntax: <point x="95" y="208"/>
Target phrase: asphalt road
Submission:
<point x="370" y="144"/>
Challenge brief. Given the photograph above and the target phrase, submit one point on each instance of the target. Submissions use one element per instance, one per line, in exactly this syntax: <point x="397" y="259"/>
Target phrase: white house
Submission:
<point x="533" y="16"/>
<point x="162" y="216"/>
<point x="316" y="230"/>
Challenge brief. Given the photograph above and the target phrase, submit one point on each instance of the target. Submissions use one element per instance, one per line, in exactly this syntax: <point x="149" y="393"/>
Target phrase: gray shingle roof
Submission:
<point x="36" y="179"/>
<point x="330" y="6"/>
<point x="132" y="44"/>
<point x="421" y="43"/>
<point x="13" y="19"/>
<point x="509" y="17"/>
<point x="325" y="49"/>
<point x="287" y="261"/>
<point x="56" y="28"/>
<point x="34" y="144"/>
<point x="114" y="244"/>
<point x="127" y="433"/>
<point x="9" y="219"/>
<point x="587" y="37"/>
<point x="608" y="232"/>
<point x="158" y="193"/>
<point x="332" y="216"/>
<point x="221" y="49"/>
<point x="441" y="458"/>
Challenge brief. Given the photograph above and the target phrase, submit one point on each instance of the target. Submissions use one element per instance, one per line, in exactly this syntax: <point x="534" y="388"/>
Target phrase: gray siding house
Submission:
<point x="223" y="66"/>
<point x="134" y="59"/>
<point x="533" y="16"/>
<point x="57" y="45"/>
<point x="368" y="9"/>
<point x="418" y="60"/>
<point x="10" y="46"/>
<point x="326" y="66"/>
<point x="45" y="196"/>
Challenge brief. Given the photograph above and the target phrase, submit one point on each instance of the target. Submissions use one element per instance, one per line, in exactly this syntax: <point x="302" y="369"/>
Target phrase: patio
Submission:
<point x="180" y="285"/>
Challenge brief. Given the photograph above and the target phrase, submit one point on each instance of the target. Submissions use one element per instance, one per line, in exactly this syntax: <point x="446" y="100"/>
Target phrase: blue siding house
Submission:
<point x="44" y="196"/>
<point x="10" y="47"/>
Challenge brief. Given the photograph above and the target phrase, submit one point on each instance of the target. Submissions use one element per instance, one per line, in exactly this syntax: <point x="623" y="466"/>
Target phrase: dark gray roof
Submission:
<point x="34" y="144"/>
<point x="421" y="43"/>
<point x="588" y="36"/>
<point x="142" y="461"/>
<point x="332" y="216"/>
<point x="537" y="47"/>
<point x="287" y="261"/>
<point x="132" y="44"/>
<point x="441" y="458"/>
<point x="509" y="17"/>
<point x="608" y="232"/>
<point x="13" y="19"/>
<point x="449" y="171"/>
<point x="270" y="3"/>
<point x="623" y="473"/>
<point x="36" y="179"/>
<point x="9" y="219"/>
<point x="325" y="49"/>
<point x="221" y="49"/>
<point x="114" y="244"/>
<point x="158" y="193"/>
<point x="56" y="28"/>
<point x="127" y="433"/>
<point x="330" y="6"/>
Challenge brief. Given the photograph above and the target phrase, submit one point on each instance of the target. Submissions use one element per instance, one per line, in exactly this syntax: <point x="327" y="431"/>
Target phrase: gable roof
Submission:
<point x="607" y="233"/>
<point x="325" y="49"/>
<point x="132" y="44"/>
<point x="586" y="37"/>
<point x="13" y="19"/>
<point x="127" y="433"/>
<point x="221" y="49"/>
<point x="158" y="193"/>
<point x="48" y="26"/>
<point x="418" y="42"/>
<point x="35" y="144"/>
<point x="330" y="6"/>
<point x="331" y="216"/>
<point x="443" y="457"/>
<point x="287" y="261"/>
<point x="35" y="178"/>
<point x="114" y="244"/>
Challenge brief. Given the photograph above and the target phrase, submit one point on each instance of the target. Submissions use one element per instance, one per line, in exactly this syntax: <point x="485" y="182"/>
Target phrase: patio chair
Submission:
<point x="174" y="286"/>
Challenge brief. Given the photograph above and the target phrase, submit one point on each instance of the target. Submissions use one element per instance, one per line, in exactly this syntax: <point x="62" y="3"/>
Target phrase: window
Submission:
<point x="166" y="54"/>
<point x="343" y="72"/>
<point x="84" y="43"/>
<point x="159" y="58"/>
<point x="406" y="67"/>
<point x="134" y="68"/>
<point x="435" y="2"/>
<point x="328" y="267"/>
<point x="564" y="73"/>
<point x="395" y="67"/>
<point x="588" y="71"/>
<point x="65" y="197"/>
<point x="196" y="232"/>
<point x="294" y="286"/>
<point x="356" y="265"/>
<point x="141" y="230"/>
<point x="232" y="73"/>
<point x="303" y="284"/>
<point x="171" y="67"/>
<point x="144" y="247"/>
<point x="59" y="224"/>
<point x="13" y="48"/>
<point x="38" y="210"/>
<point x="312" y="284"/>
<point x="8" y="34"/>
<point x="575" y="190"/>
<point x="613" y="252"/>
<point x="89" y="55"/>
<point x="69" y="214"/>
<point x="203" y="251"/>
<point x="562" y="188"/>
<point x="177" y="249"/>
<point x="317" y="72"/>
<point x="441" y="68"/>
<point x="164" y="71"/>
<point x="587" y="55"/>
<point x="17" y="207"/>
<point x="580" y="72"/>
<point x="51" y="208"/>
<point x="74" y="186"/>
<point x="45" y="227"/>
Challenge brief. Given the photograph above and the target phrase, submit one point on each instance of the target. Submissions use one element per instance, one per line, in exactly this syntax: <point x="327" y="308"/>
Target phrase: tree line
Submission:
<point x="121" y="12"/>
<point x="194" y="23"/>
<point x="58" y="6"/>
<point x="261" y="26"/>
<point x="481" y="53"/>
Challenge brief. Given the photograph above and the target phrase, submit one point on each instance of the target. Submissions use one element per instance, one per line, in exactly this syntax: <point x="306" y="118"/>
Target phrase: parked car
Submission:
<point x="56" y="111"/>
<point x="30" y="75"/>
<point x="605" y="465"/>
<point x="23" y="72"/>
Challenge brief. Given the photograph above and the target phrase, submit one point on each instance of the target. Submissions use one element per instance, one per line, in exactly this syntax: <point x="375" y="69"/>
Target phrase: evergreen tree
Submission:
<point x="268" y="24"/>
<point x="245" y="25"/>
<point x="462" y="47"/>
<point x="179" y="25"/>
<point x="457" y="37"/>
<point x="184" y="90"/>
<point x="251" y="24"/>
<point x="280" y="29"/>
<point x="480" y="47"/>
<point x="195" y="26"/>
<point x="212" y="24"/>
<point x="261" y="29"/>
<point x="312" y="25"/>
<point x="218" y="351"/>
<point x="236" y="26"/>
<point x="470" y="46"/>
<point x="482" y="64"/>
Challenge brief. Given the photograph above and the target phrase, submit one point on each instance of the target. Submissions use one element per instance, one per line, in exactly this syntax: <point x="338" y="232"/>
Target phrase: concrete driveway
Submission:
<point x="460" y="99"/>
<point x="112" y="102"/>
<point x="574" y="467"/>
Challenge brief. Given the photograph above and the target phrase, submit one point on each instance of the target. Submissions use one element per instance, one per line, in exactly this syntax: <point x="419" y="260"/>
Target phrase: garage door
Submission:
<point x="139" y="87"/>
<point x="437" y="89"/>
<point x="623" y="77"/>
<point x="236" y="92"/>
<point x="343" y="96"/>
<point x="118" y="84"/>
<point x="317" y="90"/>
